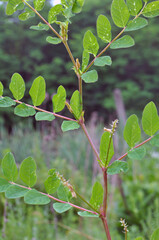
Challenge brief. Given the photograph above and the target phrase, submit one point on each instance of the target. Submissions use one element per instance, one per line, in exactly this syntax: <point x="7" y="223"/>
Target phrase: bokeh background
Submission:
<point x="134" y="72"/>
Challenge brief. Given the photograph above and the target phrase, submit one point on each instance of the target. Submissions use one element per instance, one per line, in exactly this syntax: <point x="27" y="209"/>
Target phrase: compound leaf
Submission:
<point x="34" y="197"/>
<point x="90" y="43"/>
<point x="28" y="171"/>
<point x="61" y="207"/>
<point x="69" y="125"/>
<point x="150" y="119"/>
<point x="90" y="76"/>
<point x="97" y="195"/>
<point x="123" y="42"/>
<point x="9" y="167"/>
<point x="37" y="91"/>
<point x="132" y="132"/>
<point x="120" y="13"/>
<point x="104" y="29"/>
<point x="23" y="110"/>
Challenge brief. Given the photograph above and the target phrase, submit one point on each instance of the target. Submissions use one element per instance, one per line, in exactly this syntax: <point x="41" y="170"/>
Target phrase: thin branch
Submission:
<point x="105" y="178"/>
<point x="56" y="199"/>
<point x="104" y="220"/>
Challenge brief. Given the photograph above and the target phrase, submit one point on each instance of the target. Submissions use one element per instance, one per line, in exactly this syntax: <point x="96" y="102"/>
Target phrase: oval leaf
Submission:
<point x="37" y="91"/>
<point x="23" y="110"/>
<point x="54" y="11"/>
<point x="136" y="24"/>
<point x="134" y="6"/>
<point x="27" y="171"/>
<point x="90" y="43"/>
<point x="106" y="148"/>
<point x="40" y="27"/>
<point x="123" y="42"/>
<point x="53" y="40"/>
<point x="155" y="235"/>
<point x="42" y="116"/>
<point x="12" y="6"/>
<point x="39" y="4"/>
<point x="87" y="214"/>
<point x="132" y="132"/>
<point x="137" y="153"/>
<point x="51" y="184"/>
<point x="76" y="104"/>
<point x="6" y="102"/>
<point x="151" y="10"/>
<point x="17" y="86"/>
<point x="36" y="198"/>
<point x="61" y="207"/>
<point x="64" y="193"/>
<point x="104" y="29"/>
<point x="150" y="119"/>
<point x="4" y="184"/>
<point x="102" y="61"/>
<point x="155" y="141"/>
<point x="59" y="99"/>
<point x="117" y="167"/>
<point x="1" y="89"/>
<point x="97" y="195"/>
<point x="69" y="125"/>
<point x="9" y="167"/>
<point x="85" y="60"/>
<point x="15" y="191"/>
<point x="90" y="77"/>
<point x="120" y="13"/>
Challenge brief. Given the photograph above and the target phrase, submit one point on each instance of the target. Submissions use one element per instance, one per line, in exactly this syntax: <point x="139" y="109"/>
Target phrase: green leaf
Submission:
<point x="123" y="42"/>
<point x="40" y="27"/>
<point x="26" y="15"/>
<point x="87" y="214"/>
<point x="51" y="184"/>
<point x="90" y="43"/>
<point x="102" y="61"/>
<point x="104" y="29"/>
<point x="4" y="184"/>
<point x="59" y="99"/>
<point x="27" y="171"/>
<point x="97" y="195"/>
<point x="134" y="6"/>
<point x="155" y="235"/>
<point x="61" y="207"/>
<point x="64" y="193"/>
<point x="139" y="238"/>
<point x="85" y="60"/>
<point x="23" y="110"/>
<point x="90" y="76"/>
<point x="106" y="156"/>
<point x="151" y="10"/>
<point x="1" y="89"/>
<point x="54" y="11"/>
<point x="69" y="125"/>
<point x="37" y="91"/>
<point x="137" y="153"/>
<point x="39" y="4"/>
<point x="150" y="119"/>
<point x="9" y="167"/>
<point x="155" y="141"/>
<point x="42" y="116"/>
<point x="36" y="198"/>
<point x="15" y="191"/>
<point x="20" y="6"/>
<point x="6" y="102"/>
<point x="77" y="6"/>
<point x="136" y="24"/>
<point x="17" y="86"/>
<point x="76" y="105"/>
<point x="132" y="132"/>
<point x="11" y="6"/>
<point x="120" y="13"/>
<point x="117" y="167"/>
<point x="53" y="40"/>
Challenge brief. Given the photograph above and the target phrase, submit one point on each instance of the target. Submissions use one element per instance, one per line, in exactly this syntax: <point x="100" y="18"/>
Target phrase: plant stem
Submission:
<point x="56" y="199"/>
<point x="104" y="220"/>
<point x="105" y="178"/>
<point x="42" y="110"/>
<point x="139" y="145"/>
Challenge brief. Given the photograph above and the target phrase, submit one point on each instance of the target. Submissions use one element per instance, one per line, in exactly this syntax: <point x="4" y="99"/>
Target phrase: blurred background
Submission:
<point x="122" y="89"/>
